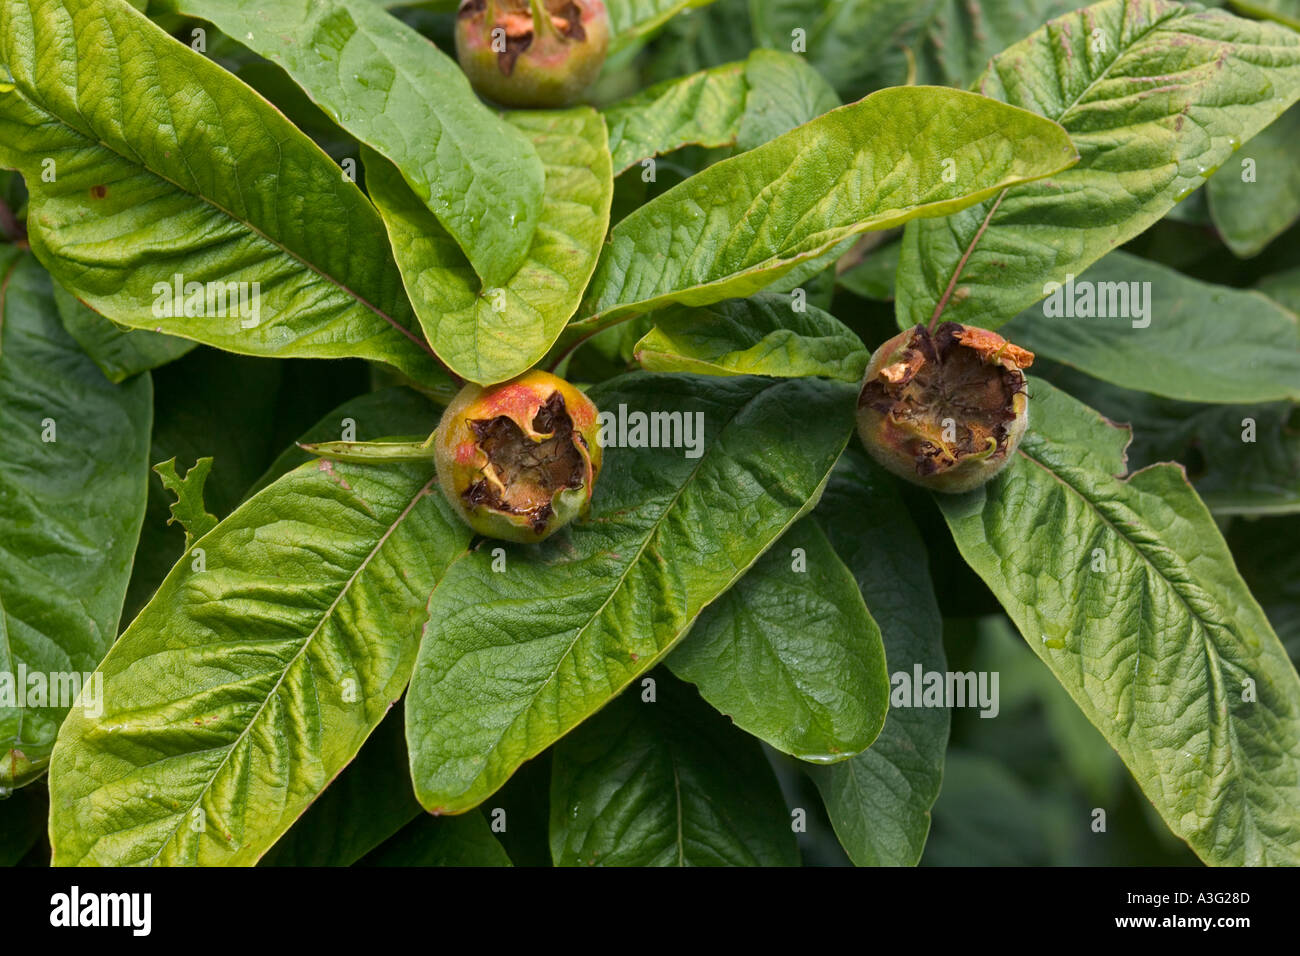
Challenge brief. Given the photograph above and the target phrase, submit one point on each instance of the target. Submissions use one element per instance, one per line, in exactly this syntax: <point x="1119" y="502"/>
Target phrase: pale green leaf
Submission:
<point x="510" y="662"/>
<point x="73" y="465"/>
<point x="149" y="164"/>
<point x="1126" y="590"/>
<point x="743" y="223"/>
<point x="494" y="334"/>
<point x="783" y="92"/>
<point x="762" y="335"/>
<point x="1155" y="96"/>
<point x="187" y="510"/>
<point x="667" y="782"/>
<point x="253" y="677"/>
<point x="702" y="109"/>
<point x="1283" y="11"/>
<point x="403" y="97"/>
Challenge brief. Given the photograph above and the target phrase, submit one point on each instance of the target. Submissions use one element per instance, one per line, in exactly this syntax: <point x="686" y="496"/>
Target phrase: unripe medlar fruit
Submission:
<point x="945" y="409"/>
<point x="519" y="460"/>
<point x="532" y="53"/>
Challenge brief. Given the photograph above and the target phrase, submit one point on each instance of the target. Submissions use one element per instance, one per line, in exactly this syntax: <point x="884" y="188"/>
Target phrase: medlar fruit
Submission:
<point x="945" y="409"/>
<point x="519" y="460"/>
<point x="532" y="53"/>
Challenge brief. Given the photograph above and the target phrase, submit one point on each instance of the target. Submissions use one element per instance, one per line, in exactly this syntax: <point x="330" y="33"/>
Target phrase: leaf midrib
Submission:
<point x="651" y="535"/>
<point x="1242" y="772"/>
<point x="289" y="665"/>
<point x="139" y="164"/>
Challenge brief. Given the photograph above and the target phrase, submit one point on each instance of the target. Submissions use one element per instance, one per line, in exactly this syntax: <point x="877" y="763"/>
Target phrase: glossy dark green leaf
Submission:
<point x="370" y="801"/>
<point x="1155" y="96"/>
<point x="256" y="672"/>
<point x="524" y="643"/>
<point x="1156" y="330"/>
<point x="147" y="162"/>
<point x="489" y="335"/>
<point x="1126" y="591"/>
<point x="667" y="782"/>
<point x="791" y="654"/>
<point x="73" y="466"/>
<point x="410" y="102"/>
<point x="119" y="352"/>
<point x="465" y="840"/>
<point x="761" y="335"/>
<point x="743" y="223"/>
<point x="879" y="801"/>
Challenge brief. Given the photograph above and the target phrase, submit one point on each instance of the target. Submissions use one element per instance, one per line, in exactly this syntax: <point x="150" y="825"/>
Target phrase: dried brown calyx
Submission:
<point x="946" y="408"/>
<point x="522" y="476"/>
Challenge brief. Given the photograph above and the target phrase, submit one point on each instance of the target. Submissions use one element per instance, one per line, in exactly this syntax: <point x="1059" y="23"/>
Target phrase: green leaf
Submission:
<point x="631" y="20"/>
<point x="1126" y="590"/>
<point x="495" y="334"/>
<point x="1270" y="563"/>
<point x="791" y="654"/>
<point x="762" y="335"/>
<point x="119" y="353"/>
<point x="187" y="509"/>
<point x="1283" y="11"/>
<point x="1242" y="459"/>
<point x="1255" y="198"/>
<point x="746" y="103"/>
<point x="1283" y="287"/>
<point x="879" y="801"/>
<point x="873" y="277"/>
<point x="73" y="464"/>
<point x="510" y="662"/>
<point x="251" y="679"/>
<point x="986" y="814"/>
<point x="745" y="222"/>
<point x="224" y="185"/>
<point x="369" y="802"/>
<point x="1154" y="102"/>
<point x="466" y="840"/>
<point x="209" y="403"/>
<point x="369" y="417"/>
<point x="23" y="816"/>
<point x="1167" y="334"/>
<point x="404" y="98"/>
<point x="702" y="109"/>
<point x="783" y="92"/>
<point x="666" y="783"/>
